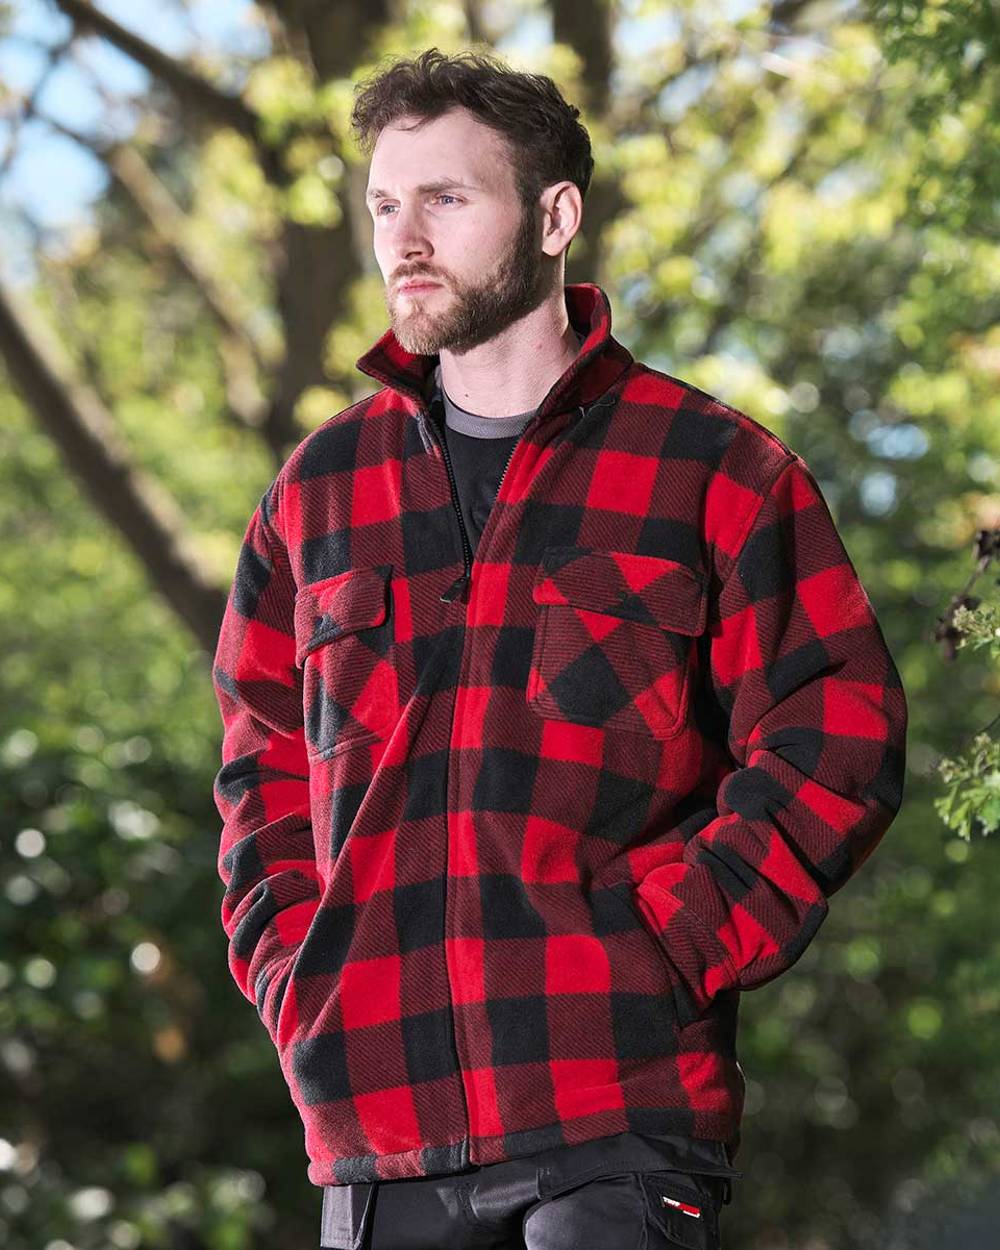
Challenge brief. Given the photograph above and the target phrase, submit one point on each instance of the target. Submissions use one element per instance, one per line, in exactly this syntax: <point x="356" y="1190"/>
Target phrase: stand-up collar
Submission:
<point x="600" y="363"/>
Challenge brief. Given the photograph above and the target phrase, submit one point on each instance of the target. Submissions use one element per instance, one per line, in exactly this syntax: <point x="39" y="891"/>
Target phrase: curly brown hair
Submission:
<point x="545" y="142"/>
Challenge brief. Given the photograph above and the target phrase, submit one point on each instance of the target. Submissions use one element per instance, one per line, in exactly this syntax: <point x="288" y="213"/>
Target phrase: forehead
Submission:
<point x="456" y="146"/>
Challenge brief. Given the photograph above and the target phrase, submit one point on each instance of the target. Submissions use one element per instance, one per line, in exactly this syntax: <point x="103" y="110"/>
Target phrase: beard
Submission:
<point x="478" y="311"/>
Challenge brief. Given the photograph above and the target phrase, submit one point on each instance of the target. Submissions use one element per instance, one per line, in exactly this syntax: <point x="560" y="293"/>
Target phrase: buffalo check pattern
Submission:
<point x="498" y="864"/>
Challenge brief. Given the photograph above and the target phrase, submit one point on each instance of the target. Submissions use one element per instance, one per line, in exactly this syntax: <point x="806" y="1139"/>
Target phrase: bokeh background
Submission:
<point x="795" y="207"/>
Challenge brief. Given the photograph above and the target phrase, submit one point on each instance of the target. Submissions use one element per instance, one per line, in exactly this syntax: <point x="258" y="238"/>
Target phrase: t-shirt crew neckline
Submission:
<point x="471" y="423"/>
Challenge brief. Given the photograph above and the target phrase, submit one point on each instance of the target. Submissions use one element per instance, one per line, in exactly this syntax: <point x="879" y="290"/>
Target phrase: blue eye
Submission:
<point x="442" y="196"/>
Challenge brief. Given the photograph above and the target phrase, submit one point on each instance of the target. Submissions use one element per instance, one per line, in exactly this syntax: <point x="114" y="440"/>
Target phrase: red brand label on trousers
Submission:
<point x="683" y="1206"/>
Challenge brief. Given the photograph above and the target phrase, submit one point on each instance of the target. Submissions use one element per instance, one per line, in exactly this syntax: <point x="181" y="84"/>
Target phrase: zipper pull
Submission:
<point x="459" y="589"/>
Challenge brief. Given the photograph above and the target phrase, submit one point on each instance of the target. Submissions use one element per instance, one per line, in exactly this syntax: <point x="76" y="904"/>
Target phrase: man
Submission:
<point x="554" y="713"/>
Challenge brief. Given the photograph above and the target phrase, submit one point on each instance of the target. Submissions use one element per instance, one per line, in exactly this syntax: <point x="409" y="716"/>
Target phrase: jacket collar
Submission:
<point x="600" y="363"/>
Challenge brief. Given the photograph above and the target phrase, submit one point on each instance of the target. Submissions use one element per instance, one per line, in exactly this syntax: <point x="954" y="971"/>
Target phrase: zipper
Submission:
<point x="459" y="588"/>
<point x="506" y="467"/>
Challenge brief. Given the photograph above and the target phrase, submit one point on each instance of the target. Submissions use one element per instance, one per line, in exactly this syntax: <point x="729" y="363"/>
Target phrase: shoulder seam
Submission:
<point x="750" y="520"/>
<point x="268" y="509"/>
<point x="722" y="407"/>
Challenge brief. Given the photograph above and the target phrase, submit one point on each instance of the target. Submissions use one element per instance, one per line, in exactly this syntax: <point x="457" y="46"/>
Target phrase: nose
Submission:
<point x="409" y="237"/>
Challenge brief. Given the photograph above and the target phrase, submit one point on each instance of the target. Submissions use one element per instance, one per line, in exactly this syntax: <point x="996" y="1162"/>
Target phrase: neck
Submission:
<point x="513" y="372"/>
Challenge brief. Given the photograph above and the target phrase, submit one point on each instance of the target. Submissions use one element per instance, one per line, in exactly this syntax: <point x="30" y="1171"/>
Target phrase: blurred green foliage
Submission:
<point x="955" y="103"/>
<point x="770" y="250"/>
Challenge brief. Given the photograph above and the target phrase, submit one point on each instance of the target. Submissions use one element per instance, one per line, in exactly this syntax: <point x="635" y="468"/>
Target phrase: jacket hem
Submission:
<point x="466" y="1156"/>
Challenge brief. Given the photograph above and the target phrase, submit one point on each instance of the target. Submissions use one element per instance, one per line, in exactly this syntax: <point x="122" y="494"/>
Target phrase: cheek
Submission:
<point x="382" y="247"/>
<point x="381" y="256"/>
<point x="492" y="241"/>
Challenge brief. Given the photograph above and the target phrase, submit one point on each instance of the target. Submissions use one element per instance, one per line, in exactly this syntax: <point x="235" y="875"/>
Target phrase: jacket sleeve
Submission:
<point x="817" y="728"/>
<point x="266" y="856"/>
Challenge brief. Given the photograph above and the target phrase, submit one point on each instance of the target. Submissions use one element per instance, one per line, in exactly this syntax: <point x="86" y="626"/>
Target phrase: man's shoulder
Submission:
<point x="342" y="424"/>
<point x="332" y="443"/>
<point x="703" y="426"/>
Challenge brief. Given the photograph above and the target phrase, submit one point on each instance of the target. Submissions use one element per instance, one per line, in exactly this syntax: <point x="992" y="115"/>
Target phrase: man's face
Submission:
<point x="475" y="241"/>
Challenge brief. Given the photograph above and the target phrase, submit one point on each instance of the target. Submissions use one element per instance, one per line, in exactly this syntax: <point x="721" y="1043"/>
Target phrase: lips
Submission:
<point x="417" y="285"/>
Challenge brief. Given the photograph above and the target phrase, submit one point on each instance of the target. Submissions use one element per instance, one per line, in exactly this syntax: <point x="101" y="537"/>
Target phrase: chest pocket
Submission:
<point x="615" y="644"/>
<point x="343" y="644"/>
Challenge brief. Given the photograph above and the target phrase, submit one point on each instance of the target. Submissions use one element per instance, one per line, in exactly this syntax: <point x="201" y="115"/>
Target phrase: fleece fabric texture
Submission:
<point x="506" y="836"/>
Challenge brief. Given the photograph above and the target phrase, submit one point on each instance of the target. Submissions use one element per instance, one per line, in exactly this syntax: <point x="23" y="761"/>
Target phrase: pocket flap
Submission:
<point x="643" y="588"/>
<point x="324" y="610"/>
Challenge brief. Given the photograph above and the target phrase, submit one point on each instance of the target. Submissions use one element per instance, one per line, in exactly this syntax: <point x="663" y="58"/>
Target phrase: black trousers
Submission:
<point x="528" y="1204"/>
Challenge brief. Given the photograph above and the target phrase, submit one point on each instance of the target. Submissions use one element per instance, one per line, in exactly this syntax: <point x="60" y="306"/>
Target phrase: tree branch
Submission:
<point x="475" y="21"/>
<point x="332" y="38"/>
<point x="54" y="54"/>
<point x="585" y="25"/>
<point x="193" y="92"/>
<point x="245" y="353"/>
<point x="133" y="502"/>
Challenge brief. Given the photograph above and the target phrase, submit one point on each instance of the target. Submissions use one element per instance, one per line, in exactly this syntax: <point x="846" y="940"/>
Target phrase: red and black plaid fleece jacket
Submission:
<point x="501" y="851"/>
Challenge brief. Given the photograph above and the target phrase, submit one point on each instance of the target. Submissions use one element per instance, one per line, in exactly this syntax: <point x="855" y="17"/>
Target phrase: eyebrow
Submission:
<point x="441" y="184"/>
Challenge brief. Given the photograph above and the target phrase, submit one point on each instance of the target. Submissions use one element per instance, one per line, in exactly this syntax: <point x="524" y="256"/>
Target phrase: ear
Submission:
<point x="562" y="214"/>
